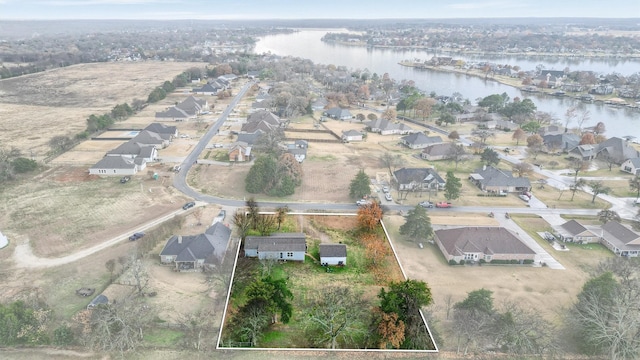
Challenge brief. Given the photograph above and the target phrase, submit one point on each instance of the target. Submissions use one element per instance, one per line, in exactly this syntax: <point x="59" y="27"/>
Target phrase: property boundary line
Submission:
<point x="218" y="347"/>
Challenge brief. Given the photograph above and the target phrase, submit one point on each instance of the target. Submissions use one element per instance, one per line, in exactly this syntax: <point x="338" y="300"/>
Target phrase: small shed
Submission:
<point x="98" y="300"/>
<point x="333" y="254"/>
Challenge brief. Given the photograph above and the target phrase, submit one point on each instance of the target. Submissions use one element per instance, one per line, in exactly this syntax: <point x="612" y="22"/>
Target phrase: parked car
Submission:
<point x="136" y="236"/>
<point x="188" y="205"/>
<point x="524" y="197"/>
<point x="388" y="197"/>
<point x="443" y="204"/>
<point x="125" y="179"/>
<point x="220" y="217"/>
<point x="176" y="168"/>
<point x="426" y="204"/>
<point x="362" y="202"/>
<point x="385" y="189"/>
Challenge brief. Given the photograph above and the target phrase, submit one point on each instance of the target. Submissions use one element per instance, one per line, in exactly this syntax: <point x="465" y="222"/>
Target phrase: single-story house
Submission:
<point x="481" y="243"/>
<point x="584" y="152"/>
<point x="338" y="113"/>
<point x="193" y="106"/>
<point x="617" y="149"/>
<point x="351" y="135"/>
<point x="506" y="125"/>
<point x="249" y="138"/>
<point x="239" y="152"/>
<point x="208" y="89"/>
<point x="410" y="179"/>
<point x="419" y="140"/>
<point x="333" y="254"/>
<point x="148" y="138"/>
<point x="632" y="166"/>
<point x="437" y="151"/>
<point x="560" y="142"/>
<point x="174" y="114"/>
<point x="318" y="104"/>
<point x="261" y="120"/>
<point x="386" y="127"/>
<point x="117" y="166"/>
<point x="298" y="149"/>
<point x="573" y="231"/>
<point x="621" y="240"/>
<point x="98" y="300"/>
<point x="163" y="129"/>
<point x="279" y="246"/>
<point x="133" y="150"/>
<point x="192" y="252"/>
<point x="496" y="180"/>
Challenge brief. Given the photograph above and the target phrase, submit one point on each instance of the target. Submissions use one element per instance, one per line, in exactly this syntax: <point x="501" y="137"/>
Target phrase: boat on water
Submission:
<point x="558" y="93"/>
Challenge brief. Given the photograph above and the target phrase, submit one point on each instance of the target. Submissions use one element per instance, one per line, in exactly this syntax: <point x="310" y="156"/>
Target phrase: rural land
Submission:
<point x="205" y="201"/>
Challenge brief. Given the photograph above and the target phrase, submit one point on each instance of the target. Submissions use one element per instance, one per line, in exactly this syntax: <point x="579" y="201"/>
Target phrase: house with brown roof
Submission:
<point x="473" y="244"/>
<point x="573" y="231"/>
<point x="239" y="152"/>
<point x="279" y="246"/>
<point x="437" y="152"/>
<point x="333" y="254"/>
<point x="621" y="240"/>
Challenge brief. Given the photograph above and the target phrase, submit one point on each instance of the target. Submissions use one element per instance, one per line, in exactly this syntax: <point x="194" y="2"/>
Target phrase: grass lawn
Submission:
<point x="162" y="337"/>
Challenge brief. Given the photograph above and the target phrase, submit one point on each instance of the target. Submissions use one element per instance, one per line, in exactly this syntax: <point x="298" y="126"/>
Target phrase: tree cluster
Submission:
<point x="274" y="176"/>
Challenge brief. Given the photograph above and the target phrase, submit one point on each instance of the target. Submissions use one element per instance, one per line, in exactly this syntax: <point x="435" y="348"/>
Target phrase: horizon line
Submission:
<point x="324" y="19"/>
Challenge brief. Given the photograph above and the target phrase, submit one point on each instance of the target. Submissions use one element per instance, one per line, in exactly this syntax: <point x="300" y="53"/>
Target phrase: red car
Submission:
<point x="443" y="204"/>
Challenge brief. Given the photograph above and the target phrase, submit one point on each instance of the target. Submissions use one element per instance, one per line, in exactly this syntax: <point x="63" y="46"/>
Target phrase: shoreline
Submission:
<point x="515" y="83"/>
<point x="450" y="51"/>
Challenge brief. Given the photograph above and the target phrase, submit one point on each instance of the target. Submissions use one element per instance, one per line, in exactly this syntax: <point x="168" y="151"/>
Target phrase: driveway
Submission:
<point x="541" y="254"/>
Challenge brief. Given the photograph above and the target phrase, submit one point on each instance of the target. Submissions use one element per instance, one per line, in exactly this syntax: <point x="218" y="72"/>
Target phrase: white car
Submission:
<point x="524" y="197"/>
<point x="388" y="197"/>
<point x="385" y="189"/>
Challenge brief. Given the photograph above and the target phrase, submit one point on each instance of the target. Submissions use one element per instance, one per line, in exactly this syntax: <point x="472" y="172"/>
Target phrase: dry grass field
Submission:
<point x="34" y="108"/>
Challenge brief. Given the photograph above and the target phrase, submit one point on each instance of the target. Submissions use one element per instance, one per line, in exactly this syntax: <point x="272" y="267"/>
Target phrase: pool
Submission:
<point x="132" y="133"/>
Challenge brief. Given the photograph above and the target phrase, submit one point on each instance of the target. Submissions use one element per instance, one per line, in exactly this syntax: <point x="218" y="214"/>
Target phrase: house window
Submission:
<point x="281" y="256"/>
<point x="468" y="256"/>
<point x="289" y="254"/>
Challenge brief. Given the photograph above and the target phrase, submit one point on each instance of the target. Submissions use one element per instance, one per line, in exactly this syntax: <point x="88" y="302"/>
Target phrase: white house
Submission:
<point x="632" y="166"/>
<point x="117" y="166"/>
<point x="333" y="254"/>
<point x="351" y="135"/>
<point x="280" y="246"/>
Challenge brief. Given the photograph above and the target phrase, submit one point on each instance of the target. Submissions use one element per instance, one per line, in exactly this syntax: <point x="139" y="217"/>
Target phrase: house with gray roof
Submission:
<point x="132" y="149"/>
<point x="386" y="127"/>
<point x="631" y="166"/>
<point x="419" y="140"/>
<point x="98" y="300"/>
<point x="338" y="113"/>
<point x="193" y="106"/>
<point x="437" y="152"/>
<point x="116" y="166"/>
<point x="574" y="231"/>
<point x="584" y="152"/>
<point x="262" y="120"/>
<point x="333" y="254"/>
<point x="194" y="252"/>
<point x="560" y="142"/>
<point x="148" y="138"/>
<point x="163" y="129"/>
<point x="279" y="246"/>
<point x="417" y="179"/>
<point x="621" y="240"/>
<point x="616" y="149"/>
<point x="351" y="135"/>
<point x="174" y="114"/>
<point x="473" y="244"/>
<point x="208" y="89"/>
<point x="492" y="179"/>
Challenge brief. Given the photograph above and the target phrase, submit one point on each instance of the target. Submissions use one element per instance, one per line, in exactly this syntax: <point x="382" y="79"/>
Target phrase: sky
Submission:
<point x="312" y="9"/>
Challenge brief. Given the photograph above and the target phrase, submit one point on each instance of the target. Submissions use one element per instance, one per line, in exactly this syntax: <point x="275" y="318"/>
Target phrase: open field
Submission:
<point x="39" y="106"/>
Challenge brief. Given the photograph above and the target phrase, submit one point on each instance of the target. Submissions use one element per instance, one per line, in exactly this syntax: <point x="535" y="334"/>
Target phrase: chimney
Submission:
<point x="179" y="239"/>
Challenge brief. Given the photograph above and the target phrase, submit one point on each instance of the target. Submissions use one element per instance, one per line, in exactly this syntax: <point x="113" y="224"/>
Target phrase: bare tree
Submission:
<point x="391" y="161"/>
<point x="334" y="314"/>
<point x="198" y="328"/>
<point x="242" y="223"/>
<point x="139" y="273"/>
<point x="578" y="185"/>
<point x="265" y="224"/>
<point x="522" y="169"/>
<point x="578" y="165"/>
<point x="457" y="154"/>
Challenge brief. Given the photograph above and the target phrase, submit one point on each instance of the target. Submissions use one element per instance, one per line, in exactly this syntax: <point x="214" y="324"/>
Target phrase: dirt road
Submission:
<point x="24" y="257"/>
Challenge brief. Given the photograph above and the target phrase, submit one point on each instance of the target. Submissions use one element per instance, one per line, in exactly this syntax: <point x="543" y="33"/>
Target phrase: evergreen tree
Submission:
<point x="452" y="186"/>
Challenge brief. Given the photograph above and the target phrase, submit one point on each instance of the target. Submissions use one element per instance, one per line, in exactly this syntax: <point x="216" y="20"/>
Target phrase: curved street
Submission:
<point x="25" y="258"/>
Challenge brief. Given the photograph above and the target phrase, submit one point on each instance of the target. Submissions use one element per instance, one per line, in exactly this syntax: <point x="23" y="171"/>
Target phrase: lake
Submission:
<point x="307" y="44"/>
